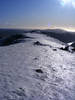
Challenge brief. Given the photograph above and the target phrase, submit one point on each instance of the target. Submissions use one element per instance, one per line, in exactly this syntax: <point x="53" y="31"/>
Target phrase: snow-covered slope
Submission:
<point x="37" y="72"/>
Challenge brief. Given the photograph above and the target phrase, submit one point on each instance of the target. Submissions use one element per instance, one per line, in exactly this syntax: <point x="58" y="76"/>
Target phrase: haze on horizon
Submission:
<point x="37" y="14"/>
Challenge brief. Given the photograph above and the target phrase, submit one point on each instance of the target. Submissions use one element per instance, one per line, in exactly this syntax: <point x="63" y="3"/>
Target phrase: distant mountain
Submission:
<point x="56" y="30"/>
<point x="62" y="35"/>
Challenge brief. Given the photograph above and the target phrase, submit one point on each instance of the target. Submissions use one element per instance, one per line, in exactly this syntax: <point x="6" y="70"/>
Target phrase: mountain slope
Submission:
<point x="37" y="72"/>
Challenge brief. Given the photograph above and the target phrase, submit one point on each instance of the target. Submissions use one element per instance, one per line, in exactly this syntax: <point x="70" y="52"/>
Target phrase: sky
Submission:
<point x="37" y="14"/>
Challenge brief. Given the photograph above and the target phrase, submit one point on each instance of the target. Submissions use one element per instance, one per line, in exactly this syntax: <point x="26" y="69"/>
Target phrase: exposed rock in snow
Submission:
<point x="69" y="47"/>
<point x="37" y="43"/>
<point x="39" y="71"/>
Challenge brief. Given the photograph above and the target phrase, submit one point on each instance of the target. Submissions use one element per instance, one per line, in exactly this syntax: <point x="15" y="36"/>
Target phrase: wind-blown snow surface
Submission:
<point x="19" y="79"/>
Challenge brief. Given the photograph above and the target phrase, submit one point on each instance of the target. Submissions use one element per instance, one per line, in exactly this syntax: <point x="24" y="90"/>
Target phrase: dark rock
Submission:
<point x="73" y="49"/>
<point x="40" y="44"/>
<point x="64" y="48"/>
<point x="39" y="71"/>
<point x="35" y="58"/>
<point x="37" y="43"/>
<point x="68" y="48"/>
<point x="54" y="49"/>
<point x="73" y="44"/>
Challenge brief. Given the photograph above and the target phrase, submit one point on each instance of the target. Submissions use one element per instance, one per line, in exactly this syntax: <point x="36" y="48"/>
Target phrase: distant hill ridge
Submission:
<point x="60" y="34"/>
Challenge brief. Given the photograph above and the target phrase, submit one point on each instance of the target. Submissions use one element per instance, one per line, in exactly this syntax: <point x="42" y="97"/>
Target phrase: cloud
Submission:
<point x="67" y="3"/>
<point x="73" y="4"/>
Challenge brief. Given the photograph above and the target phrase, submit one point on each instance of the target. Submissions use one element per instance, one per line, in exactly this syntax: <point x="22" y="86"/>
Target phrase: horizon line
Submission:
<point x="41" y="28"/>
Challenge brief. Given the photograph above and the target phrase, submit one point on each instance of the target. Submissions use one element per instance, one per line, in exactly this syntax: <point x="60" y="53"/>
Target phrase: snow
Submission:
<point x="20" y="81"/>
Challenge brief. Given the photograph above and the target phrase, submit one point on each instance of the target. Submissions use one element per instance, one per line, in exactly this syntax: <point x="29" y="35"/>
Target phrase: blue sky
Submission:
<point x="36" y="14"/>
